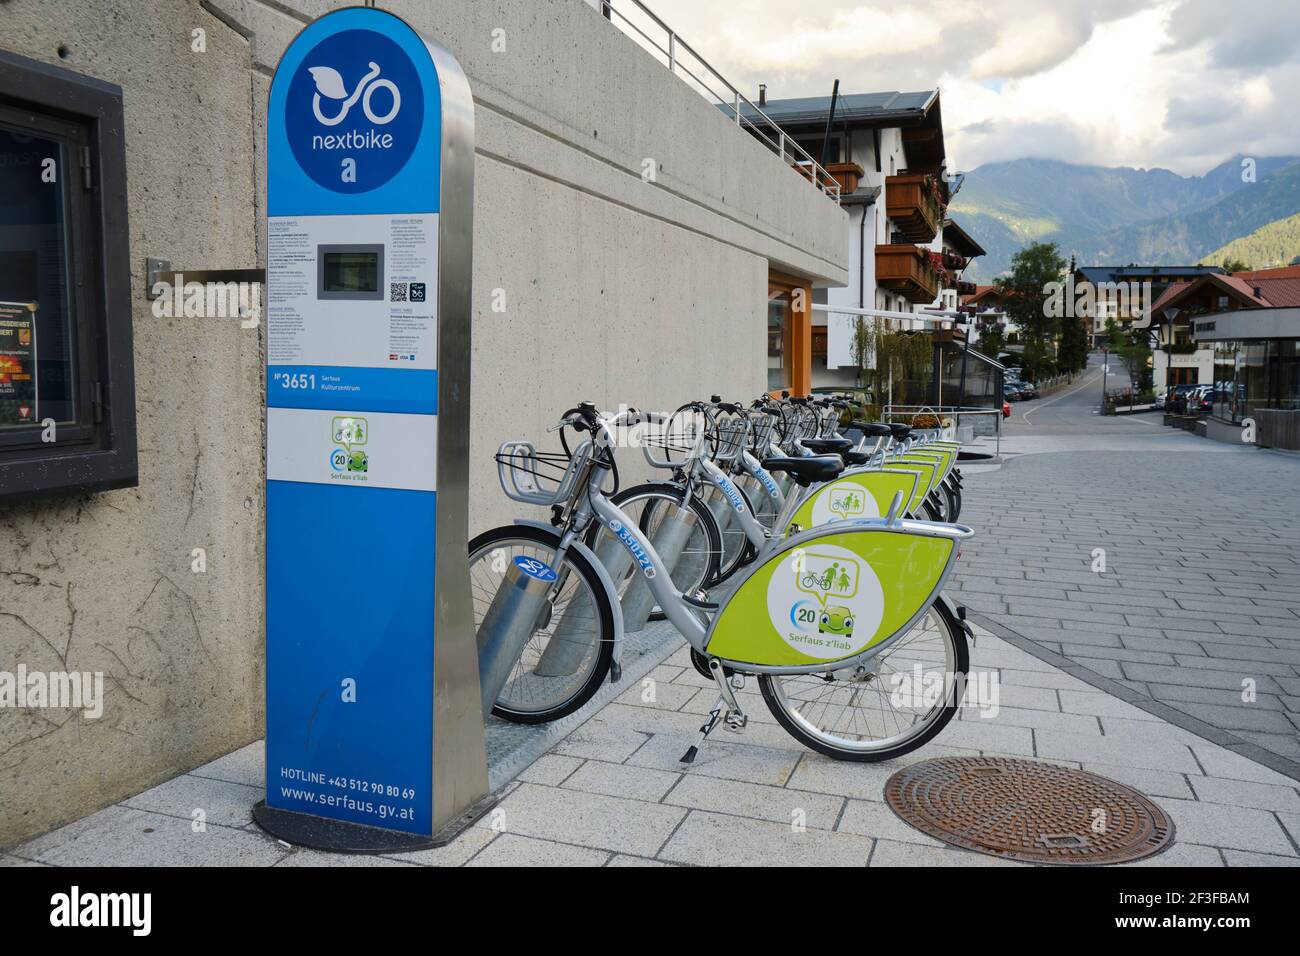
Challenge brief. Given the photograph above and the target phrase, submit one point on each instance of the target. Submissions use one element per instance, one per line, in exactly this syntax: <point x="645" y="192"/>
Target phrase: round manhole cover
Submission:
<point x="1028" y="811"/>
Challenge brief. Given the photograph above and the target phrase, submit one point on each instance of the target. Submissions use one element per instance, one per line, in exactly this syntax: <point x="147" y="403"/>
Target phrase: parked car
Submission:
<point x="1011" y="391"/>
<point x="1028" y="389"/>
<point x="1006" y="409"/>
<point x="1201" y="401"/>
<point x="1176" y="399"/>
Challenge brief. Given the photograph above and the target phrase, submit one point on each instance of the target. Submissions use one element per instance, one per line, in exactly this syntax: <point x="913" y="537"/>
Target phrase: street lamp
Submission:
<point x="1105" y="371"/>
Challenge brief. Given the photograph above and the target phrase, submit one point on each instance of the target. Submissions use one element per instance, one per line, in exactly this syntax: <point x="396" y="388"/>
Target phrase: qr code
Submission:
<point x="417" y="291"/>
<point x="397" y="291"/>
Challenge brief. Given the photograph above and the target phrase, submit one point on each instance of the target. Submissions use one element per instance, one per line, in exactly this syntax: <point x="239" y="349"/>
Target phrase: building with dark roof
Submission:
<point x="887" y="151"/>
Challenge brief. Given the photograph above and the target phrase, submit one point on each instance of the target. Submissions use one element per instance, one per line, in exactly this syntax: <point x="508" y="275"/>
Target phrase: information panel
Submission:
<point x="363" y="618"/>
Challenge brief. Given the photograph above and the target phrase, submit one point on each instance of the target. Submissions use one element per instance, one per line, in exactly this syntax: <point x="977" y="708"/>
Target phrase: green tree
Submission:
<point x="863" y="355"/>
<point x="1231" y="264"/>
<point x="1073" y="353"/>
<point x="1025" y="293"/>
<point x="992" y="337"/>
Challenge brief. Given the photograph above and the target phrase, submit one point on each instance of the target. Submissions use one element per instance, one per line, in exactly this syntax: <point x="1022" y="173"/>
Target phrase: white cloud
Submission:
<point x="1177" y="83"/>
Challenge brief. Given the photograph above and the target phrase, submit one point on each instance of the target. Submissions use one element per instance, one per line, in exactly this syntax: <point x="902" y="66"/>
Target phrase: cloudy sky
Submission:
<point x="1182" y="84"/>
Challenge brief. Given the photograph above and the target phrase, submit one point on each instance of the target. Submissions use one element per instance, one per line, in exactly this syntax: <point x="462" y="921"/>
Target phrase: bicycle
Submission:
<point x="821" y="668"/>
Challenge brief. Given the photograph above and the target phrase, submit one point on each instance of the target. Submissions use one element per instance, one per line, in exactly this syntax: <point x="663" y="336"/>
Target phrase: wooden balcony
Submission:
<point x="906" y="269"/>
<point x="911" y="204"/>
<point x="848" y="175"/>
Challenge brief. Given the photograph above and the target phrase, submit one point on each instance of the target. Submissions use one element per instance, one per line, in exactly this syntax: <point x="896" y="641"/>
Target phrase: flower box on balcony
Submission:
<point x="912" y="203"/>
<point x="848" y="175"/>
<point x="906" y="269"/>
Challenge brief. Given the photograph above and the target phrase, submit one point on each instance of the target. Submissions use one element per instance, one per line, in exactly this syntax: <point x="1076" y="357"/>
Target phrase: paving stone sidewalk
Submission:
<point x="1198" y="605"/>
<point x="612" y="793"/>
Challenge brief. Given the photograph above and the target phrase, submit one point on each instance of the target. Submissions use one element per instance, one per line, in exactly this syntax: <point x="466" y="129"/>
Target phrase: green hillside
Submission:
<point x="1119" y="215"/>
<point x="1276" y="244"/>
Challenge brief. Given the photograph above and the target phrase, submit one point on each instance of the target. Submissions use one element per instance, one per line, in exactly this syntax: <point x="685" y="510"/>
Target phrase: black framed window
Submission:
<point x="67" y="393"/>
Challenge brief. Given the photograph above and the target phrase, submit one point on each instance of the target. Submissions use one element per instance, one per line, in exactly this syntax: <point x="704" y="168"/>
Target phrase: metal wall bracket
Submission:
<point x="160" y="270"/>
<point x="153" y="270"/>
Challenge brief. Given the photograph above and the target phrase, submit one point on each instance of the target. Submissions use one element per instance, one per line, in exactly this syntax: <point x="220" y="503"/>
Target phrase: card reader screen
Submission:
<point x="350" y="272"/>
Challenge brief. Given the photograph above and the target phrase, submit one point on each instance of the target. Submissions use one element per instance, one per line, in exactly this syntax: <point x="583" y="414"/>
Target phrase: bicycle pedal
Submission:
<point x="737" y="722"/>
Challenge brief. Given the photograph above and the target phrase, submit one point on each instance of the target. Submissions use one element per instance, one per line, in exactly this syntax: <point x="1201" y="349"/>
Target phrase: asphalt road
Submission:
<point x="1072" y="410"/>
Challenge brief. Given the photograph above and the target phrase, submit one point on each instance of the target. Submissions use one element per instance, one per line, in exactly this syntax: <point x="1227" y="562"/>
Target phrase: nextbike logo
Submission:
<point x="638" y="552"/>
<point x="354" y="111"/>
<point x="330" y="83"/>
<point x="732" y="494"/>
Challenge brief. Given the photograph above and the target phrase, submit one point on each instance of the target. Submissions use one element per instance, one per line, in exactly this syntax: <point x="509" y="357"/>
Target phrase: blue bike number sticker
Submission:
<point x="354" y="111"/>
<point x="766" y="480"/>
<point x="732" y="494"/>
<point x="634" y="547"/>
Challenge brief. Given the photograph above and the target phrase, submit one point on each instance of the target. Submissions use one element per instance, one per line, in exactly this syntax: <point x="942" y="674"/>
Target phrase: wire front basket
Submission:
<point x="539" y="478"/>
<point x="670" y="441"/>
<point x="830" y="421"/>
<point x="733" y="438"/>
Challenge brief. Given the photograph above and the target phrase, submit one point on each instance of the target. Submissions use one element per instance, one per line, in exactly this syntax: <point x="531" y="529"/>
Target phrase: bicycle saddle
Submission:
<point x="874" y="429"/>
<point x="827" y="446"/>
<point x="899" y="431"/>
<point x="807" y="471"/>
<point x="855" y="457"/>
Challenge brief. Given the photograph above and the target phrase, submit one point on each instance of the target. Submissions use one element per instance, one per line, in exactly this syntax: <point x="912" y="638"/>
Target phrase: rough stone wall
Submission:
<point x="615" y="289"/>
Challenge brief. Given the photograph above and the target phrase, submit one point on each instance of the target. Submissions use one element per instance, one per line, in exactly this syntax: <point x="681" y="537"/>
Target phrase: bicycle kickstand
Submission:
<point x="735" y="717"/>
<point x="709" y="723"/>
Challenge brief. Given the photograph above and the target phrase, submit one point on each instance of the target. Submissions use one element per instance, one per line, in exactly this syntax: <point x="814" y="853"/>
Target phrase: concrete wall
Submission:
<point x="615" y="289"/>
<point x="103" y="583"/>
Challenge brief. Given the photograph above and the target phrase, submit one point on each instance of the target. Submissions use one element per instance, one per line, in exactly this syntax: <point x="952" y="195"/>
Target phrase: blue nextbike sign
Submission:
<point x="343" y="105"/>
<point x="354" y="506"/>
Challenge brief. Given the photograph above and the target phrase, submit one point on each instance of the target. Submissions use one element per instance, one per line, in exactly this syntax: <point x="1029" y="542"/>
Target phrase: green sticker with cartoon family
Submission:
<point x="346" y="459"/>
<point x="825" y="601"/>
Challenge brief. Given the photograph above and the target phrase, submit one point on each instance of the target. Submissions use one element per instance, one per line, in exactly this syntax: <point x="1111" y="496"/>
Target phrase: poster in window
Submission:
<point x="18" y="363"/>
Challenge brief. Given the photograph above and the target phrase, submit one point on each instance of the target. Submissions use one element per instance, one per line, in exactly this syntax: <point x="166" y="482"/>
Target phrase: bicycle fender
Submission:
<point x="956" y="613"/>
<point x="606" y="581"/>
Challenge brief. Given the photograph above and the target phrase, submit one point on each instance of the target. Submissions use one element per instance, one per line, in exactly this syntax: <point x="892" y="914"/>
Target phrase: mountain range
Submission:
<point x="1120" y="215"/>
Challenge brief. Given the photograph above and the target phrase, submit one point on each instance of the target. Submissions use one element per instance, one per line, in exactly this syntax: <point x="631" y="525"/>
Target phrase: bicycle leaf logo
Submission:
<point x="328" y="82"/>
<point x="354" y="111"/>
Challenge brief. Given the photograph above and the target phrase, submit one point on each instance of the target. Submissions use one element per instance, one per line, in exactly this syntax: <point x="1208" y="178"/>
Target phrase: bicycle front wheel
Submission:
<point x="572" y="644"/>
<point x="897" y="703"/>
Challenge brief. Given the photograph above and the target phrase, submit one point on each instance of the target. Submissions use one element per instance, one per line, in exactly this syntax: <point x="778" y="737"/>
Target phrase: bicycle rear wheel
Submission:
<point x="570" y="650"/>
<point x="737" y="551"/>
<point x="897" y="703"/>
<point x="649" y="505"/>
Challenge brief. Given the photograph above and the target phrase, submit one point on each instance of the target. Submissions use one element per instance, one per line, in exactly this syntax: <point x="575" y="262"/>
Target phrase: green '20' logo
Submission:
<point x="348" y="432"/>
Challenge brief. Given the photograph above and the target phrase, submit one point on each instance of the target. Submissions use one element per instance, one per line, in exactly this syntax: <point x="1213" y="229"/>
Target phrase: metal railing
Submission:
<point x="672" y="48"/>
<point x="960" y="414"/>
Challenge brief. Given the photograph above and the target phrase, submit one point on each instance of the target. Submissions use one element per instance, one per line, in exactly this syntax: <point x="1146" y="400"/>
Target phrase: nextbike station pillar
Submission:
<point x="374" y="729"/>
